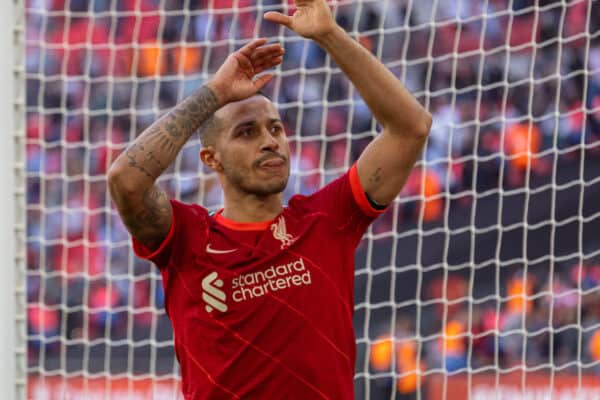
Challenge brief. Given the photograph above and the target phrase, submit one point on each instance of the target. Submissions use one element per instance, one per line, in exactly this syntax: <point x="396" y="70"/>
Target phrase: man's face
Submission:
<point x="252" y="147"/>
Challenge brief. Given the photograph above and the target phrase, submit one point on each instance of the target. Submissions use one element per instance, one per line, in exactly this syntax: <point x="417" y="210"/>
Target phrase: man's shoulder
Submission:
<point x="322" y="194"/>
<point x="188" y="211"/>
<point x="300" y="203"/>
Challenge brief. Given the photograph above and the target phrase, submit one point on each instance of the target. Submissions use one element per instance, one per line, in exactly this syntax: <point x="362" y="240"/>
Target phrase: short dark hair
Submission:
<point x="209" y="129"/>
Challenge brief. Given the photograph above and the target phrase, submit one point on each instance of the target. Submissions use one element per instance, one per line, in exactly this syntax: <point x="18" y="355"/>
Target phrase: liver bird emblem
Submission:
<point x="280" y="232"/>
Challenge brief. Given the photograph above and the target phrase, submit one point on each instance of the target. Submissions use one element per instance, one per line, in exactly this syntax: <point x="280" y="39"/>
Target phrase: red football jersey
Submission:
<point x="264" y="310"/>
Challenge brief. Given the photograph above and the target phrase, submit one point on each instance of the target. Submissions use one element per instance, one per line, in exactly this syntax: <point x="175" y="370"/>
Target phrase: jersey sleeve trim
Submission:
<point x="143" y="252"/>
<point x="360" y="196"/>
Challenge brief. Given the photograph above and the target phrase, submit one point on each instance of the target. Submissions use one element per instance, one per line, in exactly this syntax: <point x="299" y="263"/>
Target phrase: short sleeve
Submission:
<point x="345" y="203"/>
<point x="183" y="215"/>
<point x="360" y="196"/>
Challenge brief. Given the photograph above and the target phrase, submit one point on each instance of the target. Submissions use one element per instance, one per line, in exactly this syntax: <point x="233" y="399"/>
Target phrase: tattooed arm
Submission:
<point x="387" y="161"/>
<point x="143" y="205"/>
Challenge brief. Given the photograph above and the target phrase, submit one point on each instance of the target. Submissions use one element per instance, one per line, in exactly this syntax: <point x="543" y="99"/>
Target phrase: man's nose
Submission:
<point x="269" y="142"/>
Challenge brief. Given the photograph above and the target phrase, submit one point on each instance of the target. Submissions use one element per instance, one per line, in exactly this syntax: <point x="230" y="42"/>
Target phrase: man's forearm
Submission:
<point x="390" y="102"/>
<point x="156" y="148"/>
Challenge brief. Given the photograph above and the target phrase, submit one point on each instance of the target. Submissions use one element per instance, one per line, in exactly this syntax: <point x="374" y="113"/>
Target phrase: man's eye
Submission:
<point x="246" y="132"/>
<point x="276" y="129"/>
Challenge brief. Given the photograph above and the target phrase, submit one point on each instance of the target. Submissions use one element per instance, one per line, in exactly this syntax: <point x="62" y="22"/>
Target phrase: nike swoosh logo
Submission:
<point x="215" y="251"/>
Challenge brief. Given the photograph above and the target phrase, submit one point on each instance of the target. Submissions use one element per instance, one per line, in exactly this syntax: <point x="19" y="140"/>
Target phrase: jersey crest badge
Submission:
<point x="280" y="233"/>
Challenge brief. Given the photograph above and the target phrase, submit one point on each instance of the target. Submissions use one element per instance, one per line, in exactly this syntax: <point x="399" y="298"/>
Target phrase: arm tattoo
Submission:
<point x="156" y="139"/>
<point x="158" y="146"/>
<point x="155" y="200"/>
<point x="151" y="216"/>
<point x="187" y="117"/>
<point x="144" y="160"/>
<point x="148" y="218"/>
<point x="376" y="177"/>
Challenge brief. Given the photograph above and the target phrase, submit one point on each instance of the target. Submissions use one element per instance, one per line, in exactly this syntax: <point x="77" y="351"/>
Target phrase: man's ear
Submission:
<point x="210" y="158"/>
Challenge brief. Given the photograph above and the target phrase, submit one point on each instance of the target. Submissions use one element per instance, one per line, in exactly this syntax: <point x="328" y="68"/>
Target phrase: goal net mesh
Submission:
<point x="482" y="279"/>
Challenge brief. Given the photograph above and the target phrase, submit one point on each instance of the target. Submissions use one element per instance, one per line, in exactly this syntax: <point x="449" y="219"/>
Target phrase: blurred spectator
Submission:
<point x="594" y="349"/>
<point x="451" y="288"/>
<point x="402" y="349"/>
<point x="522" y="142"/>
<point x="453" y="343"/>
<point x="103" y="301"/>
<point x="519" y="290"/>
<point x="426" y="184"/>
<point x="43" y="324"/>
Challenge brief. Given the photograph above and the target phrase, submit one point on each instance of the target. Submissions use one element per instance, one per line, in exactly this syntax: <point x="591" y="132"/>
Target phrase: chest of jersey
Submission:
<point x="291" y="265"/>
<point x="261" y="299"/>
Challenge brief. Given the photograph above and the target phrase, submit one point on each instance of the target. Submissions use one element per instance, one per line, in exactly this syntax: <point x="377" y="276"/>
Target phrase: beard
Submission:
<point x="238" y="178"/>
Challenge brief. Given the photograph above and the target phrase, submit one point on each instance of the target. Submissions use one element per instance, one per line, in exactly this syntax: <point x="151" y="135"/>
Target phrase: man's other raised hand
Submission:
<point x="312" y="19"/>
<point x="236" y="78"/>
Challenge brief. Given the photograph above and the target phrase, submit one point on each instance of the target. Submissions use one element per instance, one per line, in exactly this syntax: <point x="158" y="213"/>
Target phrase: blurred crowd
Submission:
<point x="538" y="322"/>
<point x="511" y="91"/>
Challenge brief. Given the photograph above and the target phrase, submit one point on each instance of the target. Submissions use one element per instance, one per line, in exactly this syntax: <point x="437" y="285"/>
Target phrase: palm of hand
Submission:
<point x="242" y="76"/>
<point x="236" y="79"/>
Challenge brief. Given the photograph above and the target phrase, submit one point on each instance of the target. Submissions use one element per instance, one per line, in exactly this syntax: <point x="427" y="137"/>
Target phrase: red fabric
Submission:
<point x="286" y="332"/>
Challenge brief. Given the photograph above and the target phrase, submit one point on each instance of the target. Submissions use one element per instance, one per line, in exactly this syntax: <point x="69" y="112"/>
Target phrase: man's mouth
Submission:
<point x="271" y="162"/>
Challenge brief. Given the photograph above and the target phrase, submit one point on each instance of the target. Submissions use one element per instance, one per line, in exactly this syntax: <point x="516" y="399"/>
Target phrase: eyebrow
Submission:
<point x="253" y="122"/>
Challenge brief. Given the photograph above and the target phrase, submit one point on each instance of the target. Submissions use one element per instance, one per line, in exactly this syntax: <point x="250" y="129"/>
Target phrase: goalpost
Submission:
<point x="12" y="219"/>
<point x="483" y="278"/>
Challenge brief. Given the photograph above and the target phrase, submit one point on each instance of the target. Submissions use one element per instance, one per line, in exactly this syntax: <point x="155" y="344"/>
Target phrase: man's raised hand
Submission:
<point x="235" y="79"/>
<point x="312" y="19"/>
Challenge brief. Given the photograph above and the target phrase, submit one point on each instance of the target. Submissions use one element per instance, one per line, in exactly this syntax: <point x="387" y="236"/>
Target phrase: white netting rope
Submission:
<point x="471" y="270"/>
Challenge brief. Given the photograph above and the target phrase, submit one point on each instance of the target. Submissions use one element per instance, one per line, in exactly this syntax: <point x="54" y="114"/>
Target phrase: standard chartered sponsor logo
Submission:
<point x="275" y="278"/>
<point x="253" y="285"/>
<point x="213" y="296"/>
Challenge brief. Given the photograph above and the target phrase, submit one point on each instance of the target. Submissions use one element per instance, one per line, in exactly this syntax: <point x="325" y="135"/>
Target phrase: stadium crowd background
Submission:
<point x="101" y="71"/>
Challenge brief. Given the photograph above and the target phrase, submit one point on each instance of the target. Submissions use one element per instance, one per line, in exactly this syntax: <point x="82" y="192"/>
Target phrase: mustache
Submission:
<point x="268" y="157"/>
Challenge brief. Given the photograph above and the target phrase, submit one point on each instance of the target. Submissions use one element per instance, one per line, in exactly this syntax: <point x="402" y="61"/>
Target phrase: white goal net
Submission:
<point x="481" y="281"/>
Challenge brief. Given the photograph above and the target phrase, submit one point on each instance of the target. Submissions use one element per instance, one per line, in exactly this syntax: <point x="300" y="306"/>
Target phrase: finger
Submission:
<point x="250" y="47"/>
<point x="262" y="81"/>
<point x="266" y="65"/>
<point x="264" y="56"/>
<point x="267" y="51"/>
<point x="278" y="18"/>
<point x="267" y="59"/>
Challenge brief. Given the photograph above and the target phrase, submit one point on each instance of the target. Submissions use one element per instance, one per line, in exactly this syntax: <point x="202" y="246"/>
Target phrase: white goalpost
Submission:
<point x="12" y="105"/>
<point x="481" y="281"/>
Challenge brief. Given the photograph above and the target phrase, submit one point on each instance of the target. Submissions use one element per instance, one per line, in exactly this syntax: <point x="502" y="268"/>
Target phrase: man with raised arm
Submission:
<point x="260" y="295"/>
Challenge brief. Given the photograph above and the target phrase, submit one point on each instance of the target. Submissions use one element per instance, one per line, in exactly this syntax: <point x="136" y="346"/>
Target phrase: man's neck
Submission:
<point x="252" y="208"/>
